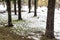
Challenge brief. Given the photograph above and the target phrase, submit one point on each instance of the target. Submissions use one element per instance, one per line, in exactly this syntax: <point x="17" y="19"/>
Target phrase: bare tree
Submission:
<point x="29" y="5"/>
<point x="15" y="7"/>
<point x="9" y="13"/>
<point x="50" y="20"/>
<point x="19" y="10"/>
<point x="35" y="7"/>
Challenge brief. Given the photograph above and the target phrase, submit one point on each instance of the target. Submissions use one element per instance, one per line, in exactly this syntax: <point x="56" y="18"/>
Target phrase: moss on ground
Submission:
<point x="46" y="38"/>
<point x="14" y="21"/>
<point x="7" y="34"/>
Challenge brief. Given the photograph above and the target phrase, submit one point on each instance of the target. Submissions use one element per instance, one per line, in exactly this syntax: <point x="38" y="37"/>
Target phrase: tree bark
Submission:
<point x="19" y="10"/>
<point x="35" y="7"/>
<point x="9" y="13"/>
<point x="29" y="5"/>
<point x="50" y="19"/>
<point x="15" y="7"/>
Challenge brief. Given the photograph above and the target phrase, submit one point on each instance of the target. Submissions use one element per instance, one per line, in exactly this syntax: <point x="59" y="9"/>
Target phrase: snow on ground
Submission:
<point x="2" y="8"/>
<point x="31" y="23"/>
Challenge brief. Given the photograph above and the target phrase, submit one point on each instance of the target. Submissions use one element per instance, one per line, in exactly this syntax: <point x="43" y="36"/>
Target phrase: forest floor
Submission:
<point x="7" y="34"/>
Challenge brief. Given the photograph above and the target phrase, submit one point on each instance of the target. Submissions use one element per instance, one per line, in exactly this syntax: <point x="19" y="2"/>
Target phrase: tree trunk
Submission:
<point x="29" y="5"/>
<point x="35" y="7"/>
<point x="19" y="10"/>
<point x="3" y="2"/>
<point x="9" y="13"/>
<point x="50" y="19"/>
<point x="15" y="7"/>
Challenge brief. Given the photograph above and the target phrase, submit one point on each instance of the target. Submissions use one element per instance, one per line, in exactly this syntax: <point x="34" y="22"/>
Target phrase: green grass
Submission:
<point x="15" y="21"/>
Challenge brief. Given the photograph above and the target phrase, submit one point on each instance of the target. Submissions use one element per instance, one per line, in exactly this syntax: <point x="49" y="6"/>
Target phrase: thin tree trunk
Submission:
<point x="19" y="10"/>
<point x="35" y="7"/>
<point x="29" y="5"/>
<point x="9" y="13"/>
<point x="15" y="7"/>
<point x="50" y="19"/>
<point x="3" y="2"/>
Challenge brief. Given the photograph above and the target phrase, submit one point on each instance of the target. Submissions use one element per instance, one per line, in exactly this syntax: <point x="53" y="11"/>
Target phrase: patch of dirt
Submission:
<point x="7" y="34"/>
